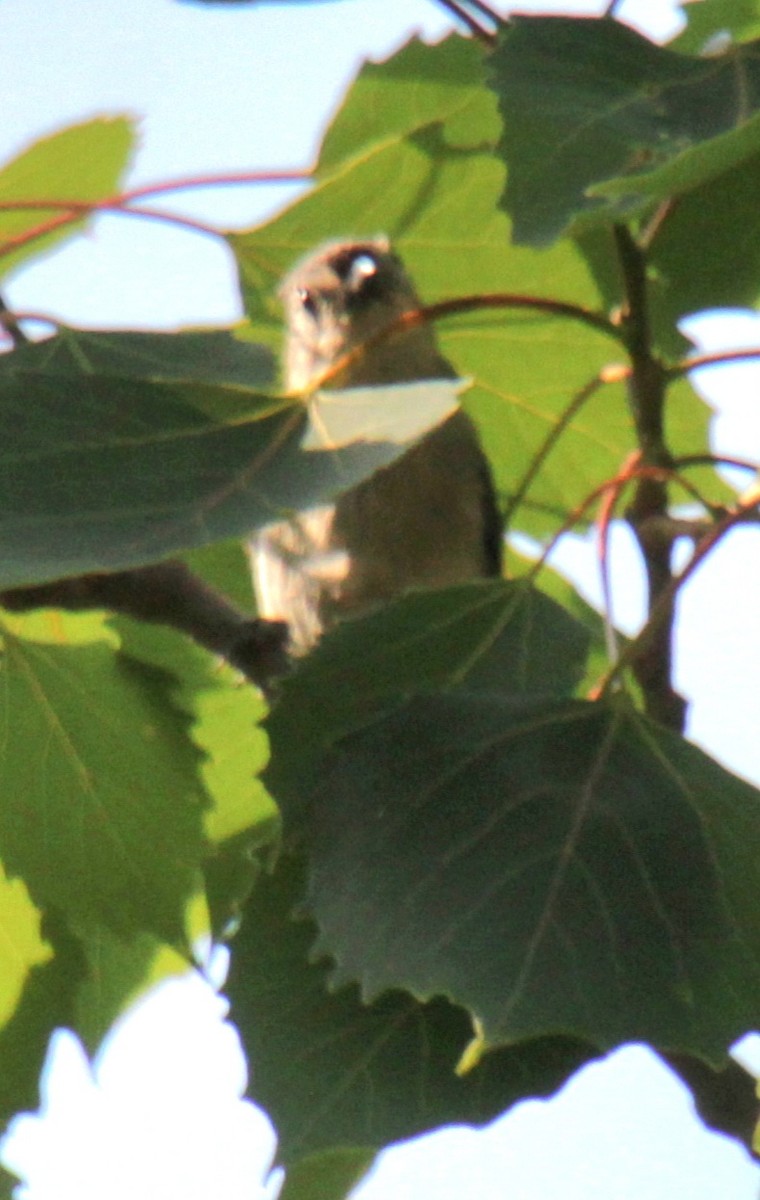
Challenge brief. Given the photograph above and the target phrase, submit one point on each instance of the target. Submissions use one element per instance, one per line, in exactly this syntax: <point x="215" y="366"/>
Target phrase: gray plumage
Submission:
<point x="428" y="520"/>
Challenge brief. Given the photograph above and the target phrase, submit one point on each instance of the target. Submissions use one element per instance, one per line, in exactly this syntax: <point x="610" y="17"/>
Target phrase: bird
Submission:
<point x="428" y="520"/>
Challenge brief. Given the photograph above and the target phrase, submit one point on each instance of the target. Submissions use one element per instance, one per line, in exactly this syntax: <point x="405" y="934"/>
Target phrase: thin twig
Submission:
<point x="486" y="11"/>
<point x="577" y="514"/>
<point x="9" y="321"/>
<point x="604" y="519"/>
<point x="656" y="222"/>
<point x="663" y="606"/>
<point x="710" y="360"/>
<point x="475" y="28"/>
<point x="462" y="304"/>
<point x="654" y="529"/>
<point x="194" y="182"/>
<point x="553" y="308"/>
<point x="716" y="460"/>
<point x="73" y="212"/>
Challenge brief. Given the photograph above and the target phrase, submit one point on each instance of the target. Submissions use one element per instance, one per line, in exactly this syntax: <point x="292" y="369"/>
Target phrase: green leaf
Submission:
<point x="83" y="984"/>
<point x="226" y="566"/>
<point x="495" y="637"/>
<point x="721" y="218"/>
<point x="407" y="95"/>
<point x="203" y="356"/>
<point x="22" y="948"/>
<point x="8" y="1184"/>
<point x="710" y="18"/>
<point x="553" y="867"/>
<point x="99" y="472"/>
<point x="331" y="1175"/>
<point x="381" y="1072"/>
<point x="444" y="217"/>
<point x="83" y="163"/>
<point x="103" y="811"/>
<point x="119" y="972"/>
<point x="613" y="106"/>
<point x="705" y="255"/>
<point x="46" y="1003"/>
<point x="224" y="718"/>
<point x="221" y="718"/>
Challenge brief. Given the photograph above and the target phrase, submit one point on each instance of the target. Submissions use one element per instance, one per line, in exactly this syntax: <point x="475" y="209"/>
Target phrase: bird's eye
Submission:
<point x="308" y="302"/>
<point x="363" y="268"/>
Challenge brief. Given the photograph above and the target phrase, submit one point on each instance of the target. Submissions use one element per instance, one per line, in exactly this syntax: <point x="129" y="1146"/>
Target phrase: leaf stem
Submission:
<point x="716" y="460"/>
<point x="74" y="210"/>
<point x="663" y="527"/>
<point x="461" y="304"/>
<point x="233" y="178"/>
<point x="660" y="612"/>
<point x="629" y="473"/>
<point x="697" y="361"/>
<point x="556" y="308"/>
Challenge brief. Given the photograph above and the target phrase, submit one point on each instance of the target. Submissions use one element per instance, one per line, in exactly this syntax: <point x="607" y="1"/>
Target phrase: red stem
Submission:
<point x="74" y="209"/>
<point x="710" y="360"/>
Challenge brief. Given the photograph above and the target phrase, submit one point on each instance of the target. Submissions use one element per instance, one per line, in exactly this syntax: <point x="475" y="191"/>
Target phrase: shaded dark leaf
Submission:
<point x="334" y="1072"/>
<point x="613" y="107"/>
<point x="99" y="472"/>
<point x="46" y="1003"/>
<point x="97" y="756"/>
<point x="552" y="867"/>
<point x="331" y="1175"/>
<point x="203" y="356"/>
<point x="497" y="637"/>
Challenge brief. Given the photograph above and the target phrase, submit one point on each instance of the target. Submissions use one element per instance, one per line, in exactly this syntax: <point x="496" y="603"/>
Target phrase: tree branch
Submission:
<point x="169" y="593"/>
<point x="653" y="663"/>
<point x="461" y="14"/>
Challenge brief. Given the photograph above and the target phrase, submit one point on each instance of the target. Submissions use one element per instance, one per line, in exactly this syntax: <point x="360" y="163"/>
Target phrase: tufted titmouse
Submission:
<point x="428" y="520"/>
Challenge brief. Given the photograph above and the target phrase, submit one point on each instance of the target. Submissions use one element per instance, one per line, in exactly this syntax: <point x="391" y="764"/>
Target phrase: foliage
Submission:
<point x="494" y="855"/>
